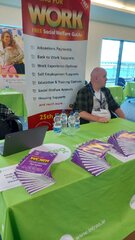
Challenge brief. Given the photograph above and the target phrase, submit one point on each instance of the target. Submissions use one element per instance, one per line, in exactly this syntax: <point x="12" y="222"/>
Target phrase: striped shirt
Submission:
<point x="85" y="96"/>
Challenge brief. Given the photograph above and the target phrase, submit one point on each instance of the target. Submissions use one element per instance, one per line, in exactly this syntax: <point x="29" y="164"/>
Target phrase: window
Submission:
<point x="118" y="58"/>
<point x="127" y="69"/>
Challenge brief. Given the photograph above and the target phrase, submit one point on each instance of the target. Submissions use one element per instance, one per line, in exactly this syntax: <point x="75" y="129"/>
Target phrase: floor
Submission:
<point x="24" y="123"/>
<point x="130" y="236"/>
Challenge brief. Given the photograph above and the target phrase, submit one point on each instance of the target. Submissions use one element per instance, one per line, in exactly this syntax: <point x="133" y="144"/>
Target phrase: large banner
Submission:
<point x="55" y="37"/>
<point x="12" y="70"/>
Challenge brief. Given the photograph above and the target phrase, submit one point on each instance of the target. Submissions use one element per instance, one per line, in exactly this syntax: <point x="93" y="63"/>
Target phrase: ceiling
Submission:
<point x="121" y="5"/>
<point x="127" y="2"/>
<point x="120" y="12"/>
<point x="106" y="3"/>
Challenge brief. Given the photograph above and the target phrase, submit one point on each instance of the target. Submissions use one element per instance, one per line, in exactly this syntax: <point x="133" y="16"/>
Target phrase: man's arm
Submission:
<point x="112" y="104"/>
<point x="120" y="113"/>
<point x="90" y="117"/>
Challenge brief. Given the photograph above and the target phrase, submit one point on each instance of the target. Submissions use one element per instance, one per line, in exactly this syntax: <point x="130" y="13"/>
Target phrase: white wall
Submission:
<point x="10" y="16"/>
<point x="98" y="31"/>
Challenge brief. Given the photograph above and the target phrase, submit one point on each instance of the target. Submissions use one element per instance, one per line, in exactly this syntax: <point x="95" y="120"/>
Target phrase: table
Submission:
<point x="78" y="204"/>
<point x="129" y="90"/>
<point x="14" y="100"/>
<point x="117" y="93"/>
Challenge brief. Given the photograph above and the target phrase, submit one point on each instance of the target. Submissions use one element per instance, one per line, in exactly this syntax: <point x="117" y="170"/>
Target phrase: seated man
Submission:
<point x="94" y="101"/>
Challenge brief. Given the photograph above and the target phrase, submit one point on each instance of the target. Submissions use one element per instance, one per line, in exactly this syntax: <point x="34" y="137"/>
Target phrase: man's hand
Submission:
<point x="93" y="118"/>
<point x="102" y="119"/>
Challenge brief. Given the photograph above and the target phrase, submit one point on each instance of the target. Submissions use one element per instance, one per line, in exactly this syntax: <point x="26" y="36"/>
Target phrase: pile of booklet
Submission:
<point x="34" y="170"/>
<point x="91" y="156"/>
<point x="123" y="143"/>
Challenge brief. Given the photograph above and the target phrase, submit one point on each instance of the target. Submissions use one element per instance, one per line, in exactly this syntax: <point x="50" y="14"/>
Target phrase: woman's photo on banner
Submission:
<point x="11" y="52"/>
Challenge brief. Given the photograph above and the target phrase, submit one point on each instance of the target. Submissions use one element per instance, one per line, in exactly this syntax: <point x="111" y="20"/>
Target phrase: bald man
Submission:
<point x="95" y="102"/>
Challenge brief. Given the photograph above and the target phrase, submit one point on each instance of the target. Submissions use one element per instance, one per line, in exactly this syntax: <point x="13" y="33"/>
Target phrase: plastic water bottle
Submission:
<point x="71" y="124"/>
<point x="64" y="119"/>
<point x="57" y="127"/>
<point x="77" y="120"/>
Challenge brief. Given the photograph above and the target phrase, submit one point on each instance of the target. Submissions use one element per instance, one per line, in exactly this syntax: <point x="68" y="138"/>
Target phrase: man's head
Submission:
<point x="98" y="77"/>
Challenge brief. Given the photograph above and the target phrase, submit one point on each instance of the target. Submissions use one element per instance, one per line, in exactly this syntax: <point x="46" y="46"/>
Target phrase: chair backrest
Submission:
<point x="9" y="126"/>
<point x="121" y="82"/>
<point x="4" y="129"/>
<point x="16" y="125"/>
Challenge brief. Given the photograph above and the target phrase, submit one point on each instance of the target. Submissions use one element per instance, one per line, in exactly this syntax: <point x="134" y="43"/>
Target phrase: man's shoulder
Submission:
<point x="105" y="89"/>
<point x="85" y="89"/>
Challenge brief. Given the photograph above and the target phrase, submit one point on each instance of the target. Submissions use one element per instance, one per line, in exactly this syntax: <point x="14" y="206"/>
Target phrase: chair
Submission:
<point x="9" y="126"/>
<point x="131" y="99"/>
<point x="9" y="122"/>
<point x="16" y="125"/>
<point x="121" y="82"/>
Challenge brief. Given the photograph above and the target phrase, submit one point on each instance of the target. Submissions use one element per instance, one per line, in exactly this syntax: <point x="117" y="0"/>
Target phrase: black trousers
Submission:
<point x="20" y="68"/>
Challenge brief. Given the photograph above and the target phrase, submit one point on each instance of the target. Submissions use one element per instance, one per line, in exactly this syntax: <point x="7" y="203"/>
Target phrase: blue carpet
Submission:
<point x="128" y="107"/>
<point x="24" y="123"/>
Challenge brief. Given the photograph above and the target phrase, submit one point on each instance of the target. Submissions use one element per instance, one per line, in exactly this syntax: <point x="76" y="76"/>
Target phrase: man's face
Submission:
<point x="102" y="78"/>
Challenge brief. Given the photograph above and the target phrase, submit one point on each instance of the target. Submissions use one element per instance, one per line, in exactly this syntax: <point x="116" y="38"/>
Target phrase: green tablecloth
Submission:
<point x="13" y="100"/>
<point x="129" y="90"/>
<point x="117" y="93"/>
<point x="78" y="204"/>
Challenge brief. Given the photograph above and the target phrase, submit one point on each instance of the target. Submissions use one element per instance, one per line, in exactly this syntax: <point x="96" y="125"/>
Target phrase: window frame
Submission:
<point x="119" y="61"/>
